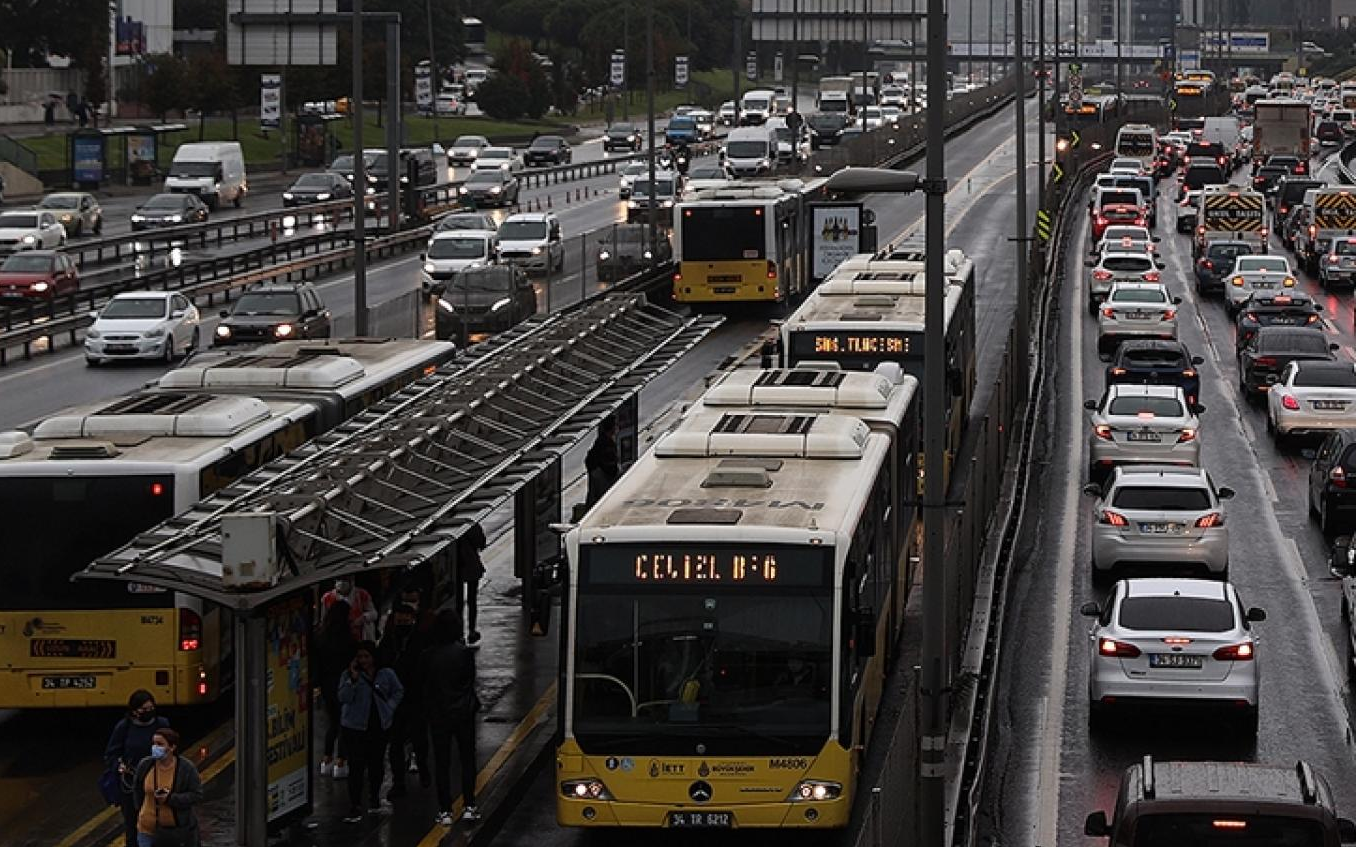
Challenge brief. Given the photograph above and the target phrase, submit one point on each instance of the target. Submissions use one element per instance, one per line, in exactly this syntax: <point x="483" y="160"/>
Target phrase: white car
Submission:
<point x="532" y="241"/>
<point x="1311" y="397"/>
<point x="449" y="252"/>
<point x="627" y="176"/>
<point x="875" y="118"/>
<point x="892" y="113"/>
<point x="1256" y="274"/>
<point x="30" y="229"/>
<point x="1186" y="211"/>
<point x="1126" y="165"/>
<point x="725" y="115"/>
<point x="1136" y="310"/>
<point x="1187" y="641"/>
<point x="504" y="158"/>
<point x="143" y="325"/>
<point x="1128" y="236"/>
<point x="1142" y="424"/>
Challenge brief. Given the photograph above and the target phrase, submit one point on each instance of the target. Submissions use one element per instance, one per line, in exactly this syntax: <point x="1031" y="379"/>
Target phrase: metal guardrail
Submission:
<point x="537" y="177"/>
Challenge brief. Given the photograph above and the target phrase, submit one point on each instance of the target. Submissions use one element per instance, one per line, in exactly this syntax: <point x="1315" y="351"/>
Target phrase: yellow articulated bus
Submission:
<point x="743" y="244"/>
<point x="870" y="311"/>
<point x="83" y="482"/>
<point x="729" y="606"/>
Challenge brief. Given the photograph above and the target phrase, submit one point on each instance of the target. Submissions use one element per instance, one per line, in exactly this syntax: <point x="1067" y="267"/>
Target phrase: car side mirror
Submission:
<point x="1090" y="405"/>
<point x="1161" y="265"/>
<point x="177" y="313"/>
<point x="1095" y="825"/>
<point x="1225" y="492"/>
<point x="1176" y="301"/>
<point x="1197" y="408"/>
<point x="1346" y="830"/>
<point x="225" y="313"/>
<point x="1197" y="360"/>
<point x="1256" y="615"/>
<point x="1090" y="610"/>
<point x="1334" y="347"/>
<point x="1092" y="489"/>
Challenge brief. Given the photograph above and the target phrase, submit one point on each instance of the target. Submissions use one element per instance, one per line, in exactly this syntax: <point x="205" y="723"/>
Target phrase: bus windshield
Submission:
<point x="105" y="512"/>
<point x="743" y="663"/>
<point x="732" y="233"/>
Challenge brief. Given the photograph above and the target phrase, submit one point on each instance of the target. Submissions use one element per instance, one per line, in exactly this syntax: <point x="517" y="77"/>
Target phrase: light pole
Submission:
<point x="355" y="108"/>
<point x="649" y="123"/>
<point x="795" y="54"/>
<point x="1040" y="97"/>
<point x="990" y="42"/>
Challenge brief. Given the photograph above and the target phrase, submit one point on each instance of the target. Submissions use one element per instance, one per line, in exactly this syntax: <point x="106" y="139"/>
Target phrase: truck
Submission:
<point x="1280" y="127"/>
<point x="833" y="95"/>
<point x="1237" y="214"/>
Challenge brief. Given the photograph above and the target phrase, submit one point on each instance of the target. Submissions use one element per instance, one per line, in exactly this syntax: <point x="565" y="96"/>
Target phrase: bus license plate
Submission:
<point x="701" y="820"/>
<point x="84" y="682"/>
<point x="1174" y="660"/>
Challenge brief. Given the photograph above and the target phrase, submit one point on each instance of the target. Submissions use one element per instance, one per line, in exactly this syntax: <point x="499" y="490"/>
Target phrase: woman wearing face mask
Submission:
<point x="166" y="787"/>
<point x="128" y="745"/>
<point x="362" y="612"/>
<point x="370" y="695"/>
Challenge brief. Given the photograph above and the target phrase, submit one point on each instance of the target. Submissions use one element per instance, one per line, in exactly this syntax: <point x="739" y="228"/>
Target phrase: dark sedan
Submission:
<point x="169" y="210"/>
<point x="317" y="188"/>
<point x="483" y="300"/>
<point x="1217" y="260"/>
<point x="274" y="313"/>
<point x="1266" y="177"/>
<point x="1293" y="164"/>
<point x="622" y="137"/>
<point x="1156" y="362"/>
<point x="1271" y="348"/>
<point x="490" y="188"/>
<point x="1294" y="308"/>
<point x="548" y="150"/>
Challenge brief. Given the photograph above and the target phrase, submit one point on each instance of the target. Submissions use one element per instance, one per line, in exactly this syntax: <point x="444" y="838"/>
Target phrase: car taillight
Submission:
<point x="1207" y="264"/>
<point x="1312" y="319"/>
<point x="1108" y="312"/>
<point x="1244" y="652"/>
<point x="1151" y="276"/>
<point x="1332" y="260"/>
<point x="1117" y="649"/>
<point x="1101" y="219"/>
<point x="1118" y="371"/>
<point x="1238" y="281"/>
<point x="1338" y="477"/>
<point x="1213" y="519"/>
<point x="1186" y="435"/>
<point x="771" y="269"/>
<point x="1111" y="518"/>
<point x="1169" y="314"/>
<point x="1222" y="160"/>
<point x="1313" y="230"/>
<point x="1139" y="221"/>
<point x="190" y="630"/>
<point x="1102" y="431"/>
<point x="1265" y="361"/>
<point x="677" y="277"/>
<point x="1290" y="403"/>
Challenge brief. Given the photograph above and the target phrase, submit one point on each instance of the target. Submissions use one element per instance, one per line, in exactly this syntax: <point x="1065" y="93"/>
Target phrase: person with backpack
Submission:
<point x="127" y="746"/>
<point x="370" y="695"/>
<point x="166" y="788"/>
<point x="450" y="702"/>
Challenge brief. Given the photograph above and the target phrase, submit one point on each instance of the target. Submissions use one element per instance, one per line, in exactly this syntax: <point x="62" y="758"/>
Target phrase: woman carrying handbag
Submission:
<point x="167" y="787"/>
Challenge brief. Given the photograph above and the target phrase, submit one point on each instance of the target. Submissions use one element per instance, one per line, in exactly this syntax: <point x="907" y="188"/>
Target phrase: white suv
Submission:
<point x="532" y="241"/>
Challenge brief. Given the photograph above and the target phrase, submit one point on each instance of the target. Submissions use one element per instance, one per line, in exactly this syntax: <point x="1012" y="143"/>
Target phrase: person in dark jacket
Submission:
<point x="450" y="703"/>
<point x="470" y="571"/>
<point x="166" y="788"/>
<point x="127" y="746"/>
<point x="602" y="463"/>
<point x="402" y="649"/>
<point x="334" y="650"/>
<point x="370" y="695"/>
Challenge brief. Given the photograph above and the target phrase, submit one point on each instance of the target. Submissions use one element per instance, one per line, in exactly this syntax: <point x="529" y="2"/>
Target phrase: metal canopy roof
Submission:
<point x="399" y="484"/>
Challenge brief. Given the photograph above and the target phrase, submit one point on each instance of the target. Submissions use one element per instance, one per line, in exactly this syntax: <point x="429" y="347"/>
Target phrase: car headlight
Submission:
<point x="474" y="152"/>
<point x="30" y="239"/>
<point x="67" y="218"/>
<point x="430" y="267"/>
<point x="603" y="255"/>
<point x="40" y="287"/>
<point x="371" y="179"/>
<point x="647" y="254"/>
<point x="446" y="306"/>
<point x="815" y="790"/>
<point x="91" y="333"/>
<point x="765" y="163"/>
<point x="667" y="204"/>
<point x="504" y="166"/>
<point x="500" y="303"/>
<point x="324" y="195"/>
<point x="138" y="218"/>
<point x="495" y="189"/>
<point x="282" y="330"/>
<point x="585" y="789"/>
<point x="287" y="195"/>
<point x="371" y="190"/>
<point x="223" y="331"/>
<point x="176" y="218"/>
<point x="536" y="251"/>
<point x="158" y="332"/>
<point x="463" y="190"/>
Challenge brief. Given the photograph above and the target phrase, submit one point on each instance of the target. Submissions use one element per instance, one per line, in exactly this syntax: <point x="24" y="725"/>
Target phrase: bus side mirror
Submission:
<point x="1346" y="830"/>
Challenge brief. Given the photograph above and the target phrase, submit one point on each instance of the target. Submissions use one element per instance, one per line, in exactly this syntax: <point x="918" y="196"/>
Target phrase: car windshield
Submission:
<point x="342" y="163"/>
<point x="664" y="186"/>
<point x="485" y="178"/>
<point x="13" y="221"/>
<point x="684" y="122"/>
<point x="1161" y="498"/>
<point x="1181" y="614"/>
<point x="548" y="142"/>
<point x="1268" y="264"/>
<point x="469" y="141"/>
<point x="1246" y="829"/>
<point x="523" y="231"/>
<point x="457" y="248"/>
<point x="622" y="129"/>
<point x="1139" y="295"/>
<point x="313" y="181"/>
<point x="1300" y="342"/>
<point x="165" y="201"/>
<point x="60" y="201"/>
<point x="1158" y="407"/>
<point x="194" y="168"/>
<point x="1127" y="263"/>
<point x="1344" y="248"/>
<point x="134" y="308"/>
<point x="1270" y="171"/>
<point x="756" y="103"/>
<point x="22" y="264"/>
<point x="268" y="303"/>
<point x="706" y="172"/>
<point x="746" y="149"/>
<point x="466" y="222"/>
<point x="496" y="153"/>
<point x="480" y="280"/>
<point x="626" y="235"/>
<point x="1326" y="376"/>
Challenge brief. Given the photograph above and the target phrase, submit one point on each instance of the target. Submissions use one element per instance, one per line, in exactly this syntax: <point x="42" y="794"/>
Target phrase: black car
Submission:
<point x="622" y="137"/>
<point x="491" y="187"/>
<point x="826" y="128"/>
<point x="1263" y="308"/>
<point x="1156" y="362"/>
<point x="481" y="300"/>
<point x="1271" y="348"/>
<point x="1207" y="152"/>
<point x="1293" y="164"/>
<point x="1332" y="482"/>
<point x="1197" y="176"/>
<point x="625" y="250"/>
<point x="317" y="188"/>
<point x="1216" y="260"/>
<point x="1329" y="132"/>
<point x="548" y="150"/>
<point x="1265" y="178"/>
<point x="274" y="313"/>
<point x="169" y="210"/>
<point x="1290" y="193"/>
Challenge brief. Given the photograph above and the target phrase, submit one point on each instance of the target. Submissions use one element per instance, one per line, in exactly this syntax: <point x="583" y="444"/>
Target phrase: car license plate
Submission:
<point x="701" y="820"/>
<point x="1137" y="316"/>
<point x="83" y="682"/>
<point x="1151" y="437"/>
<point x="119" y="348"/>
<point x="1282" y="321"/>
<point x="1174" y="660"/>
<point x="1330" y="405"/>
<point x="1159" y="528"/>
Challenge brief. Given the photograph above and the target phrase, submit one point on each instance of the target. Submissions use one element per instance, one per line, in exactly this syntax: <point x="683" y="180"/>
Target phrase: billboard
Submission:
<point x="1237" y="42"/>
<point x="131" y="37"/>
<point x="288" y="711"/>
<point x="835" y="236"/>
<point x="270" y="101"/>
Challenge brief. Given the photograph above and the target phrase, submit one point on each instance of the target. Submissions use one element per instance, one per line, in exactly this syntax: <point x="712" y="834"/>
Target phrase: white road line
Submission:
<point x="1052" y="732"/>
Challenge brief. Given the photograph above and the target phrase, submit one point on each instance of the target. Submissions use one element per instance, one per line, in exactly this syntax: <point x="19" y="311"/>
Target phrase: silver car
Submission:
<point x="1145" y="424"/>
<point x="1310" y="397"/>
<point x="1113" y="266"/>
<point x="144" y="325"/>
<point x="1268" y="274"/>
<point x="1186" y="211"/>
<point x="1128" y="236"/>
<point x="1159" y="517"/>
<point x="1136" y="310"/>
<point x="77" y="211"/>
<point x="1187" y="642"/>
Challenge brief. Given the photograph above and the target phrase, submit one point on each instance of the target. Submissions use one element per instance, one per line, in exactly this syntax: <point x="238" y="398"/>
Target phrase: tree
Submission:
<point x="516" y="59"/>
<point x="211" y="88"/>
<point x="502" y="97"/>
<point x="168" y="86"/>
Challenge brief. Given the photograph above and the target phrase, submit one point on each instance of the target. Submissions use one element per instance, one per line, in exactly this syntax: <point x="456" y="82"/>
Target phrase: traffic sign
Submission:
<point x="751" y="67"/>
<point x="1172" y="104"/>
<point x="1043" y="225"/>
<point x="618" y="77"/>
<point x="1057" y="172"/>
<point x="680" y="71"/>
<point x="1074" y="138"/>
<point x="1075" y="68"/>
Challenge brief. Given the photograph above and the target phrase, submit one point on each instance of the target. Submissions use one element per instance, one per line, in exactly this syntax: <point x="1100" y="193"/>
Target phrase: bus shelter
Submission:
<point x="314" y="142"/>
<point x="119" y="155"/>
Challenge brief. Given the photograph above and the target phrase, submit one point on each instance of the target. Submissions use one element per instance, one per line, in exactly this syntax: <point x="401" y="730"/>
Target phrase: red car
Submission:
<point x="1114" y="206"/>
<point x="38" y="275"/>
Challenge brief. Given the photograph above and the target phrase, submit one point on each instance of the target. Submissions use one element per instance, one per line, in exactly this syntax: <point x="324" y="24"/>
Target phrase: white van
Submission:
<point x="756" y="107"/>
<point x="1227" y="132"/>
<point x="213" y="170"/>
<point x="793" y="147"/>
<point x="750" y="151"/>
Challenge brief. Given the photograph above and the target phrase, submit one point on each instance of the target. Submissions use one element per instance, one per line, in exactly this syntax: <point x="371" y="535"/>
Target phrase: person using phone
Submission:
<point x="167" y="787"/>
<point x="370" y="695"/>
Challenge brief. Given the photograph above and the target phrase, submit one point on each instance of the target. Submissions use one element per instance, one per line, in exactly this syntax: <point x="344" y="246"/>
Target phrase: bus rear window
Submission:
<point x="712" y="234"/>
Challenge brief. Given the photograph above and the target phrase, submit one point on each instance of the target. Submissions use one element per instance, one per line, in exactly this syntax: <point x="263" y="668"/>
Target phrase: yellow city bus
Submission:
<point x="745" y="244"/>
<point x="85" y="481"/>
<point x="730" y="605"/>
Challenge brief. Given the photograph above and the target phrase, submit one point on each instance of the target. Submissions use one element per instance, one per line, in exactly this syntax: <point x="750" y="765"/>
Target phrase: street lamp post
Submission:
<point x="990" y="80"/>
<point x="355" y="104"/>
<point x="649" y="123"/>
<point x="1040" y="98"/>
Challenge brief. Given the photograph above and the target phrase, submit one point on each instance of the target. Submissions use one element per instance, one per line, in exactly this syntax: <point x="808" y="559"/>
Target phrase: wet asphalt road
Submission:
<point x="1048" y="771"/>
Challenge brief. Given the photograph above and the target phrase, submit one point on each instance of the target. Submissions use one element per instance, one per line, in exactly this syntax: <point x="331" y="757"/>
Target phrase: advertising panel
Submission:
<point x="87" y="159"/>
<point x="836" y="236"/>
<point x="270" y="101"/>
<point x="288" y="695"/>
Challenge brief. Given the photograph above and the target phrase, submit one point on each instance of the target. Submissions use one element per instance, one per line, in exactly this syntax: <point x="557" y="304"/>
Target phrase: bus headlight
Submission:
<point x="603" y="256"/>
<point x="815" y="790"/>
<point x="500" y="303"/>
<point x="585" y="789"/>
